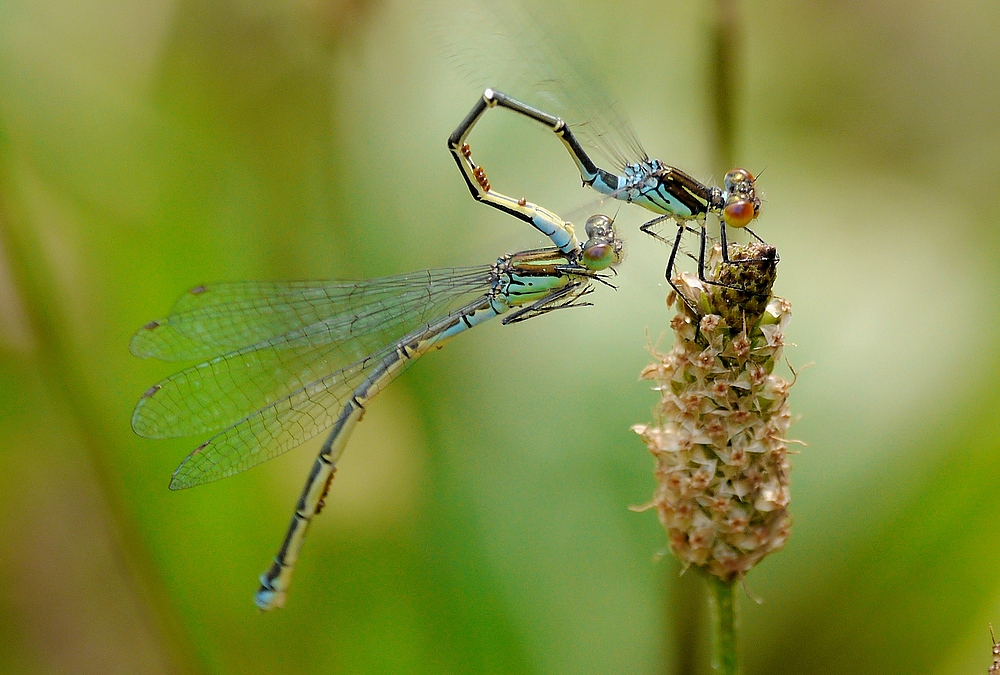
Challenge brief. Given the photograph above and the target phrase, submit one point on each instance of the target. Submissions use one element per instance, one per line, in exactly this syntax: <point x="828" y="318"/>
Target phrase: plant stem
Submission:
<point x="725" y="77"/>
<point x="723" y="626"/>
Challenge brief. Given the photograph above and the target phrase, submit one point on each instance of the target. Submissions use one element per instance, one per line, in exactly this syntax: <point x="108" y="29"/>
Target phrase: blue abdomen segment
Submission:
<point x="557" y="230"/>
<point x="642" y="188"/>
<point x="493" y="308"/>
<point x="659" y="200"/>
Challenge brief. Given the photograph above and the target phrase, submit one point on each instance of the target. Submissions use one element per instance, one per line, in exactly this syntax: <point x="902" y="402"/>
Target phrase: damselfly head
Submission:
<point x="603" y="248"/>
<point x="742" y="203"/>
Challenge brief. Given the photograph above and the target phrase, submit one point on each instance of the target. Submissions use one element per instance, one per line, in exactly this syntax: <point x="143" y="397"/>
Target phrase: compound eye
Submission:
<point x="599" y="256"/>
<point x="597" y="226"/>
<point x="739" y="213"/>
<point x="737" y="176"/>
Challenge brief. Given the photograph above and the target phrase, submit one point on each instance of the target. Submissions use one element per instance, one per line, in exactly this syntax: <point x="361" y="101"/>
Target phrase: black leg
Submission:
<point x="754" y="235"/>
<point x="646" y="228"/>
<point x="725" y="258"/>
<point x="675" y="246"/>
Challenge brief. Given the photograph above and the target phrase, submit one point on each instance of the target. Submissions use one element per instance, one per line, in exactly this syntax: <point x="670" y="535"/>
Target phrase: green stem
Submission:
<point x="725" y="80"/>
<point x="723" y="626"/>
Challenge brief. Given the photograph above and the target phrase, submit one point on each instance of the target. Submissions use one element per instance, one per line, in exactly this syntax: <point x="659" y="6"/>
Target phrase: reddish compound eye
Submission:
<point x="739" y="213"/>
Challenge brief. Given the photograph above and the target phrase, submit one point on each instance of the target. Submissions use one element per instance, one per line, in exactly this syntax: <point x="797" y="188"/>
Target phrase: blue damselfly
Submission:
<point x="281" y="362"/>
<point x="651" y="183"/>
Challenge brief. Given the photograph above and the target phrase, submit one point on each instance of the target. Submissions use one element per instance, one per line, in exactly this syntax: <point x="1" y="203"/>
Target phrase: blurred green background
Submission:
<point x="479" y="523"/>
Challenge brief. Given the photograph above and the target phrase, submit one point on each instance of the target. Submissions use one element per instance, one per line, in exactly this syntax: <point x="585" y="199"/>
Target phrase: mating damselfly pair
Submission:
<point x="281" y="362"/>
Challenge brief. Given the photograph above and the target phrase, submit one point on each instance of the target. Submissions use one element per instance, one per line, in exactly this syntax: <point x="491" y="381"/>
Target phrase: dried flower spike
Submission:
<point x="719" y="438"/>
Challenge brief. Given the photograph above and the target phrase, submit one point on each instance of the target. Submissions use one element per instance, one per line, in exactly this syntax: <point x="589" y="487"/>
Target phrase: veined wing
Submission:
<point x="228" y="388"/>
<point x="294" y="418"/>
<point x="274" y="429"/>
<point x="219" y="318"/>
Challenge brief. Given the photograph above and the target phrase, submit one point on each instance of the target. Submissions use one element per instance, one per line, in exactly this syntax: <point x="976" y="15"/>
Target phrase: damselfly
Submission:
<point x="284" y="361"/>
<point x="647" y="182"/>
<point x="503" y="42"/>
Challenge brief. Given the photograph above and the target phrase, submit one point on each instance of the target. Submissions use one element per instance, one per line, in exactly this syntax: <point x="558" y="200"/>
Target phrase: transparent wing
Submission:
<point x="228" y="388"/>
<point x="297" y="416"/>
<point x="211" y="320"/>
<point x="502" y="44"/>
<point x="274" y="429"/>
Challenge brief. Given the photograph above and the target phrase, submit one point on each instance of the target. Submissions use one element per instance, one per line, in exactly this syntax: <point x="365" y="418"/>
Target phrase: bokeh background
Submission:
<point x="480" y="521"/>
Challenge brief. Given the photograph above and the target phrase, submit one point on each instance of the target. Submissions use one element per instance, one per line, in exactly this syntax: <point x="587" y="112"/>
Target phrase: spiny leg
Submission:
<point x="725" y="247"/>
<point x="703" y="237"/>
<point x="674" y="247"/>
<point x="646" y="228"/>
<point x="725" y="259"/>
<point x="568" y="294"/>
